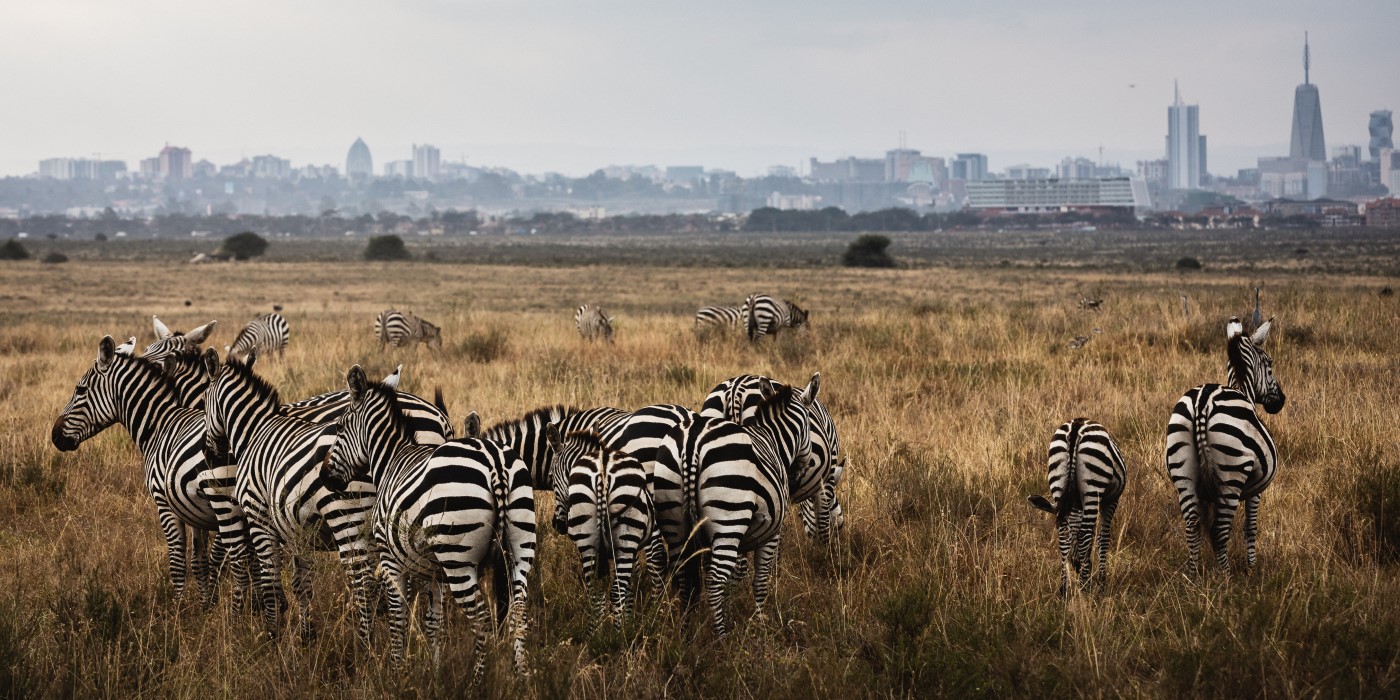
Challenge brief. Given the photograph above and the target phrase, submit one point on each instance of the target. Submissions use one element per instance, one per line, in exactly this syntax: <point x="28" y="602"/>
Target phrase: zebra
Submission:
<point x="722" y="485"/>
<point x="440" y="511"/>
<point x="133" y="391"/>
<point x="395" y="327"/>
<point x="593" y="323"/>
<point x="1219" y="453"/>
<point x="279" y="498"/>
<point x="268" y="333"/>
<point x="814" y="487"/>
<point x="526" y="435"/>
<point x="708" y="318"/>
<point x="765" y="315"/>
<point x="610" y="512"/>
<point x="179" y="354"/>
<point x="1086" y="477"/>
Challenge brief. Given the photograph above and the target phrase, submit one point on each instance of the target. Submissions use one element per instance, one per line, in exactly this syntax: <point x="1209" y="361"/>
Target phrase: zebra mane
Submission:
<point x="1241" y="372"/>
<point x="144" y="365"/>
<point x="782" y="394"/>
<point x="261" y="387"/>
<point x="540" y="416"/>
<point x="590" y="439"/>
<point x="398" y="422"/>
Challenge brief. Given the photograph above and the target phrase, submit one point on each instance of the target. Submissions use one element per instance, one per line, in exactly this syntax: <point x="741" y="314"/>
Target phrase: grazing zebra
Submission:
<point x="765" y="315"/>
<point x="526" y="435"/>
<point x="609" y="507"/>
<point x="814" y="486"/>
<point x="723" y="486"/>
<point x="440" y="511"/>
<point x="279" y="492"/>
<point x="268" y="333"/>
<point x="593" y="323"/>
<point x="720" y="317"/>
<point x="395" y="327"/>
<point x="134" y="392"/>
<point x="1218" y="451"/>
<point x="1086" y="476"/>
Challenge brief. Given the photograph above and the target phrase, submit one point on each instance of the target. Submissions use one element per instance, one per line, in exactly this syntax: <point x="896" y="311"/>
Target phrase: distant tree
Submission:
<point x="100" y="237"/>
<point x="1188" y="263"/>
<point x="245" y="245"/>
<point x="13" y="250"/>
<point x="55" y="257"/>
<point x="868" y="251"/>
<point x="386" y="248"/>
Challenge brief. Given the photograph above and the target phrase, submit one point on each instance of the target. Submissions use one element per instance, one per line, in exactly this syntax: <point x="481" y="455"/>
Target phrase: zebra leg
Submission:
<point x="656" y="560"/>
<point x="268" y="568"/>
<point x="395" y="589"/>
<point x="1064" y="533"/>
<point x="1104" y="535"/>
<point x="175" y="542"/>
<point x="466" y="591"/>
<point x="1220" y="529"/>
<point x="765" y="561"/>
<point x="432" y="620"/>
<point x="624" y="564"/>
<point x="1251" y="529"/>
<point x="1193" y="539"/>
<point x="199" y="561"/>
<point x="724" y="551"/>
<point x="519" y="623"/>
<point x="1084" y="541"/>
<point x="301" y="587"/>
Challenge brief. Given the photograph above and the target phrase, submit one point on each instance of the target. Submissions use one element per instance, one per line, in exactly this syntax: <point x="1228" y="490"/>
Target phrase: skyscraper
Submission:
<point x="358" y="162"/>
<point x="175" y="163"/>
<point x="426" y="162"/>
<point x="1381" y="128"/>
<point x="971" y="167"/>
<point x="1308" y="143"/>
<point x="1185" y="146"/>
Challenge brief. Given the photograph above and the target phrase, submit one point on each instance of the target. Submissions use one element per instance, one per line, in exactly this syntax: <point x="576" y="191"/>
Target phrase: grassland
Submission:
<point x="945" y="382"/>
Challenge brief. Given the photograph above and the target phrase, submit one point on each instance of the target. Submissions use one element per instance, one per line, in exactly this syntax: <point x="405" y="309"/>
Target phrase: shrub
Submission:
<point x="386" y="248"/>
<point x="245" y="245"/>
<point x="13" y="250"/>
<point x="483" y="347"/>
<point x="1188" y="263"/>
<point x="100" y="237"/>
<point x="55" y="258"/>
<point x="868" y="251"/>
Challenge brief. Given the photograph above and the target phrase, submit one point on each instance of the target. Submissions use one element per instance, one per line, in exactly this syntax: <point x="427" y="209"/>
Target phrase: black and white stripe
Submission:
<point x="394" y="328"/>
<point x="179" y="354"/>
<point x="268" y="333"/>
<point x="593" y="323"/>
<point x="1218" y="451"/>
<point x="526" y="435"/>
<point x="1086" y="475"/>
<point x="720" y="317"/>
<point x="765" y="315"/>
<point x="439" y="514"/>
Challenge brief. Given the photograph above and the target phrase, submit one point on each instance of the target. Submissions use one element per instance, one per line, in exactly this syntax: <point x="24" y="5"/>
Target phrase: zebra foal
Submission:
<point x="394" y="328"/>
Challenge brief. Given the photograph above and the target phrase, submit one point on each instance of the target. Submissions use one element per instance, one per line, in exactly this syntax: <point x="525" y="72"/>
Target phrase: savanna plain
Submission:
<point x="945" y="382"/>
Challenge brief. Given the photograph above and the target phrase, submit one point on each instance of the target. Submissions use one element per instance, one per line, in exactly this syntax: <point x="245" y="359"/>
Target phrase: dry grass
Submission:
<point x="945" y="384"/>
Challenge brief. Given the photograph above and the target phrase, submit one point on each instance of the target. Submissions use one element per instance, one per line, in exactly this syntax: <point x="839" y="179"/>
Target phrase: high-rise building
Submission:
<point x="848" y="170"/>
<point x="1308" y="143"/>
<point x="272" y="167"/>
<point x="175" y="163"/>
<point x="426" y="162"/>
<point x="1074" y="169"/>
<point x="1381" y="128"/>
<point x="398" y="168"/>
<point x="969" y="167"/>
<point x="358" y="162"/>
<point x="1185" y="145"/>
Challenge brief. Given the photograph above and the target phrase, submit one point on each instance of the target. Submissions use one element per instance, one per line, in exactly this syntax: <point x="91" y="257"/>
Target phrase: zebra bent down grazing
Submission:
<point x="593" y="323"/>
<point x="133" y="391"/>
<point x="268" y="333"/>
<point x="728" y="485"/>
<point x="720" y="317"/>
<point x="439" y="513"/>
<point x="609" y="508"/>
<point x="1218" y="451"/>
<point x="1086" y="476"/>
<point x="396" y="327"/>
<point x="768" y="316"/>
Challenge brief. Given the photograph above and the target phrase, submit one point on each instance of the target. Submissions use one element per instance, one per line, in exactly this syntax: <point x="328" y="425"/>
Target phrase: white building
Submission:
<point x="1052" y="195"/>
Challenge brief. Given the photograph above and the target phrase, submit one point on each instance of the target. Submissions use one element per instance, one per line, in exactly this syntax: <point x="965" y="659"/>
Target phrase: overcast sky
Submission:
<point x="575" y="85"/>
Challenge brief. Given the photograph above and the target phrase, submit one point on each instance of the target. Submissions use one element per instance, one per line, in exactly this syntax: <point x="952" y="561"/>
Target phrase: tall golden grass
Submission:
<point x="945" y="385"/>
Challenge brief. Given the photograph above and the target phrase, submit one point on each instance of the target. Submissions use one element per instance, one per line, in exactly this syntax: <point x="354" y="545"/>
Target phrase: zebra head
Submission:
<point x="471" y="427"/>
<point x="372" y="422"/>
<point x="168" y="344"/>
<point x="799" y="317"/>
<point x="432" y="336"/>
<point x="93" y="406"/>
<point x="784" y="419"/>
<point x="1251" y="369"/>
<point x="235" y="392"/>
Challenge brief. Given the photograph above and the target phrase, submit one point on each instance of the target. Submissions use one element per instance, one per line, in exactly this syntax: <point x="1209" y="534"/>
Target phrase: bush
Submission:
<point x="100" y="237"/>
<point x="13" y="250"/>
<point x="1188" y="263"/>
<point x="55" y="258"/>
<point x="483" y="347"/>
<point x="245" y="245"/>
<point x="868" y="251"/>
<point x="386" y="248"/>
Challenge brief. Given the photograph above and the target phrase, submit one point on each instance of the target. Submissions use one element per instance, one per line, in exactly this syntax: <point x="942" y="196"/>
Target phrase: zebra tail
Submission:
<point x="752" y="321"/>
<point x="1208" y="483"/>
<point x="503" y="578"/>
<point x="437" y="400"/>
<point x="604" y="523"/>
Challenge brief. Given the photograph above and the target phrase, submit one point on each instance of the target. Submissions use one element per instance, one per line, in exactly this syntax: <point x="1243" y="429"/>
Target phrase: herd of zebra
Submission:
<point x="245" y="483"/>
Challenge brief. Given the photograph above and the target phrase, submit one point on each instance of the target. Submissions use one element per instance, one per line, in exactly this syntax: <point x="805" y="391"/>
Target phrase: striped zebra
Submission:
<point x="134" y="392"/>
<point x="394" y="328"/>
<point x="723" y="486"/>
<point x="180" y="354"/>
<point x="526" y="435"/>
<point x="1218" y="451"/>
<point x="268" y="333"/>
<point x="279" y="493"/>
<point x="1086" y="477"/>
<point x="709" y="318"/>
<point x="593" y="323"/>
<point x="440" y="512"/>
<point x="765" y="315"/>
<point x="814" y="486"/>
<point x="609" y="510"/>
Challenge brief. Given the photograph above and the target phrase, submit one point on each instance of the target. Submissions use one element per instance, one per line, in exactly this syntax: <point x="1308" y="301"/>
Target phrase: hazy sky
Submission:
<point x="574" y="85"/>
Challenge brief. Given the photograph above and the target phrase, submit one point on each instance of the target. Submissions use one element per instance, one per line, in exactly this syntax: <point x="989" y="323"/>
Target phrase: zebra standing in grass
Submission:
<point x="708" y="318"/>
<point x="765" y="315"/>
<point x="119" y="388"/>
<point x="440" y="511"/>
<point x="813" y="486"/>
<point x="179" y="354"/>
<point x="723" y="486"/>
<point x="609" y="512"/>
<point x="1218" y="451"/>
<point x="397" y="327"/>
<point x="268" y="333"/>
<point x="593" y="323"/>
<point x="1086" y="477"/>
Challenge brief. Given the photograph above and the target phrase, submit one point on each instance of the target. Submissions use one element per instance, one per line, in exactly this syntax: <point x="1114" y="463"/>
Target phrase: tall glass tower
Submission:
<point x="1185" y="148"/>
<point x="1381" y="128"/>
<point x="1308" y="143"/>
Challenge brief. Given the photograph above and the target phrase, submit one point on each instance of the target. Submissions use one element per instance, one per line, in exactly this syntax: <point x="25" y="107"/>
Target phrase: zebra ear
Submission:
<point x="809" y="394"/>
<point x="392" y="381"/>
<point x="1261" y="334"/>
<point x="200" y="334"/>
<point x="357" y="383"/>
<point x="472" y="427"/>
<point x="250" y="357"/>
<point x="128" y="348"/>
<point x="551" y="433"/>
<point x="162" y="332"/>
<point x="106" y="352"/>
<point x="766" y="388"/>
<point x="211" y="362"/>
<point x="1233" y="327"/>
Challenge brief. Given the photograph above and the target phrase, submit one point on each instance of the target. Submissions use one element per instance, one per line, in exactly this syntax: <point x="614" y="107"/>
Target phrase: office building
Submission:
<point x="1381" y="129"/>
<point x="1185" y="145"/>
<point x="1054" y="195"/>
<point x="969" y="167"/>
<point x="427" y="162"/>
<point x="1308" y="142"/>
<point x="175" y="163"/>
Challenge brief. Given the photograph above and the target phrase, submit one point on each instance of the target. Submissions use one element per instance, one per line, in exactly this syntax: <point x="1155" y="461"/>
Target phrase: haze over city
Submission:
<point x="572" y="87"/>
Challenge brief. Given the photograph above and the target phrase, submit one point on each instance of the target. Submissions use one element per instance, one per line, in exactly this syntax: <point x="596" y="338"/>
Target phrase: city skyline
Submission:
<point x="569" y="89"/>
